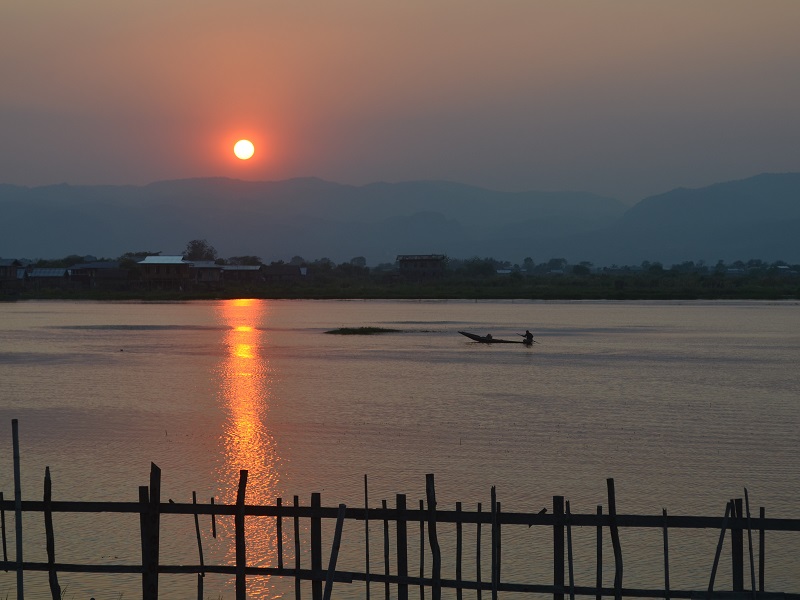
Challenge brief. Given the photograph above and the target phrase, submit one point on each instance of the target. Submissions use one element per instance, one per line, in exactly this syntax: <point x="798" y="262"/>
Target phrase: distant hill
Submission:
<point x="277" y="220"/>
<point x="757" y="217"/>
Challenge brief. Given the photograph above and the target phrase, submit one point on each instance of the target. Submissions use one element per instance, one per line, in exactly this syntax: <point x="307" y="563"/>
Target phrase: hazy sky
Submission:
<point x="621" y="97"/>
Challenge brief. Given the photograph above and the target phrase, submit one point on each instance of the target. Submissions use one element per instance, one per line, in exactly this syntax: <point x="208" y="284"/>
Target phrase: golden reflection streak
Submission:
<point x="245" y="389"/>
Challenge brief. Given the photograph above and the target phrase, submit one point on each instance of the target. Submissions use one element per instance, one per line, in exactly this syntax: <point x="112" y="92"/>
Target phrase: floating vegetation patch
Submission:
<point x="361" y="330"/>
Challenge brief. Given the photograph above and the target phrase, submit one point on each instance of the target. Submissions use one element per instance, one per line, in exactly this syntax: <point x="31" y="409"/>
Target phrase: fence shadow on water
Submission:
<point x="415" y="542"/>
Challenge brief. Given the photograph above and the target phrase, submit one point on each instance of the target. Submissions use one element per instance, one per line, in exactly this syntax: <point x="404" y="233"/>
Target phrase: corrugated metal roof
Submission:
<point x="163" y="260"/>
<point x="204" y="264"/>
<point x="47" y="273"/>
<point x="241" y="267"/>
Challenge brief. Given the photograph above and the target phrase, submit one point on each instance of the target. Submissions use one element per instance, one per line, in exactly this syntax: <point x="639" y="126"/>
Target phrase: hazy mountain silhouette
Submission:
<point x="752" y="218"/>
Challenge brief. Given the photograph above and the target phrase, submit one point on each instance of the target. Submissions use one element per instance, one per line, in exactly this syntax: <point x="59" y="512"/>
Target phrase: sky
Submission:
<point x="625" y="98"/>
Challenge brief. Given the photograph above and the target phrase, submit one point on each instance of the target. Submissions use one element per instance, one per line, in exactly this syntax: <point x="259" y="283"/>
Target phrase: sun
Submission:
<point x="244" y="149"/>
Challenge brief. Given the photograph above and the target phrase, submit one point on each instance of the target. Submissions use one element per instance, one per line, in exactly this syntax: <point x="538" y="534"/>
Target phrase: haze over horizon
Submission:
<point x="620" y="98"/>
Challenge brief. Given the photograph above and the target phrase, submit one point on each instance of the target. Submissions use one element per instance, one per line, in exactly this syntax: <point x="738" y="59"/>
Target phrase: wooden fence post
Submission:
<point x="728" y="510"/>
<point x="666" y="554"/>
<point x="762" y="514"/>
<point x="316" y="547"/>
<point x="366" y="537"/>
<point x="3" y="527"/>
<point x="199" y="538"/>
<point x="599" y="575"/>
<point x="493" y="507"/>
<point x="478" y="554"/>
<point x="402" y="546"/>
<point x="612" y="514"/>
<point x="436" y="569"/>
<point x="55" y="589"/>
<point x="337" y="540"/>
<point x="459" y="550"/>
<point x="558" y="547"/>
<point x="279" y="531"/>
<point x="296" y="524"/>
<point x="737" y="546"/>
<point x="386" y="586"/>
<point x="150" y="533"/>
<point x="241" y="548"/>
<point x="17" y="508"/>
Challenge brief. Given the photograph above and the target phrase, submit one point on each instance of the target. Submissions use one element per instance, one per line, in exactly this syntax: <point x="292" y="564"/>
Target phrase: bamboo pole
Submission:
<point x="296" y="523"/>
<point x="728" y="509"/>
<point x="241" y="548"/>
<point x="761" y="549"/>
<point x="3" y="527"/>
<point x="199" y="538"/>
<point x="436" y="572"/>
<point x="366" y="536"/>
<point x="493" y="507"/>
<point x="666" y="555"/>
<point x="478" y="554"/>
<point x="337" y="540"/>
<point x="144" y="502"/>
<point x="279" y="531"/>
<point x="499" y="546"/>
<point x="316" y="548"/>
<point x="569" y="553"/>
<point x="737" y="545"/>
<point x="55" y="589"/>
<point x="459" y="551"/>
<point x="599" y="575"/>
<point x="385" y="548"/>
<point x="750" y="545"/>
<point x="612" y="514"/>
<point x="18" y="508"/>
<point x="421" y="550"/>
<point x="213" y="521"/>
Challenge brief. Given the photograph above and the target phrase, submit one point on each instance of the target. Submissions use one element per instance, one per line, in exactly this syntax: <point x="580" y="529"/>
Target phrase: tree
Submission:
<point x="358" y="261"/>
<point x="528" y="264"/>
<point x="252" y="261"/>
<point x="199" y="250"/>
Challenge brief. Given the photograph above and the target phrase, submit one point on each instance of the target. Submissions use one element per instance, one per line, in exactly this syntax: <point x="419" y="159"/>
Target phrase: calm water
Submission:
<point x="684" y="404"/>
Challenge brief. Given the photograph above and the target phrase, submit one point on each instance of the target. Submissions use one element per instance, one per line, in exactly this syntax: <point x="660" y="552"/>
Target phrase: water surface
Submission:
<point x="683" y="403"/>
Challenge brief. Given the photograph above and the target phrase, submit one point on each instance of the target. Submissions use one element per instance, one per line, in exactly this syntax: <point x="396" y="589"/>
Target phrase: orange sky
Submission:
<point x="621" y="97"/>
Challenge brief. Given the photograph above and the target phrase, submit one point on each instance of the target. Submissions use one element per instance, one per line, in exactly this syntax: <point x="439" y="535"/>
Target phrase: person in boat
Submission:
<point x="528" y="337"/>
<point x="489" y="336"/>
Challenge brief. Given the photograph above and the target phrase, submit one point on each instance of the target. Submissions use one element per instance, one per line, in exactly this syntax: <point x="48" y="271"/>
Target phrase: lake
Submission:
<point x="684" y="404"/>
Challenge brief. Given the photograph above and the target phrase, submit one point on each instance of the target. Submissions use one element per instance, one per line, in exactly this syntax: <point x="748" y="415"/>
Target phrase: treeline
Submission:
<point x="490" y="278"/>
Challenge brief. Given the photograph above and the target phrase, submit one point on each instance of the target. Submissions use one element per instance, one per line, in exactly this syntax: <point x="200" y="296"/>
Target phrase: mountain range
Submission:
<point x="757" y="217"/>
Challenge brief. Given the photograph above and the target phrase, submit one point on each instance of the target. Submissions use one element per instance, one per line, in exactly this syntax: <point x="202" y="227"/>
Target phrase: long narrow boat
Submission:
<point x="489" y="340"/>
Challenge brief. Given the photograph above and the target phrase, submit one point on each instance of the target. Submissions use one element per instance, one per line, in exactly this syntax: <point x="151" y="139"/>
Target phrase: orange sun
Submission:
<point x="243" y="149"/>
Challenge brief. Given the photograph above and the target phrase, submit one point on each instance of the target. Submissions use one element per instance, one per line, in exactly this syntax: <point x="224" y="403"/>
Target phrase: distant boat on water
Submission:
<point x="488" y="339"/>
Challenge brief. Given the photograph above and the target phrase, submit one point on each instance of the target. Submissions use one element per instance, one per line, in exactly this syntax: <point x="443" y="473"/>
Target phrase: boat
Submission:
<point x="487" y="339"/>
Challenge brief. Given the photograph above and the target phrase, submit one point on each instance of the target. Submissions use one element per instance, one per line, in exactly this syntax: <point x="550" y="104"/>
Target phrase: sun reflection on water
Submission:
<point x="245" y="393"/>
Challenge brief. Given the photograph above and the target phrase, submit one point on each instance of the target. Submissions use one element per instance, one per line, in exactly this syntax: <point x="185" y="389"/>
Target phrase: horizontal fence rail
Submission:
<point x="417" y="533"/>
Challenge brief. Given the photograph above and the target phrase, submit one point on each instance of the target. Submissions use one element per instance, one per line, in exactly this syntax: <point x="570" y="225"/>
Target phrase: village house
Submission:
<point x="164" y="271"/>
<point x="99" y="275"/>
<point x="47" y="278"/>
<point x="205" y="271"/>
<point x="9" y="274"/>
<point x="242" y="273"/>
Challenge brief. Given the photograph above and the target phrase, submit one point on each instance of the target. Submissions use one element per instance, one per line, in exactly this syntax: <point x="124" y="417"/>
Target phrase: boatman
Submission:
<point x="528" y="337"/>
